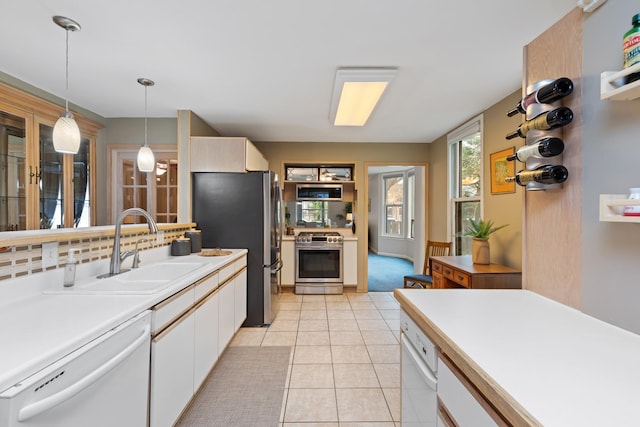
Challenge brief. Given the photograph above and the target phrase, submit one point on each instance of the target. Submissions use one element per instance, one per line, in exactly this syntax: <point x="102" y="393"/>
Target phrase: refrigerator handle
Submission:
<point x="277" y="266"/>
<point x="280" y="211"/>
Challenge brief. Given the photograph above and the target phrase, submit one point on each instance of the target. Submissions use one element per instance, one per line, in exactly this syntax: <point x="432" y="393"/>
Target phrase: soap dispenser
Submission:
<point x="70" y="269"/>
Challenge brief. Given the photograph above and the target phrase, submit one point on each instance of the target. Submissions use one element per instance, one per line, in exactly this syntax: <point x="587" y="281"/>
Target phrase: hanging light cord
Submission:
<point x="145" y="116"/>
<point x="66" y="74"/>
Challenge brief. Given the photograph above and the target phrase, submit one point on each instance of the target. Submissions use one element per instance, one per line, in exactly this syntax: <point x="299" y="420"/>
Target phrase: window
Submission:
<point x="465" y="181"/>
<point x="393" y="205"/>
<point x="313" y="213"/>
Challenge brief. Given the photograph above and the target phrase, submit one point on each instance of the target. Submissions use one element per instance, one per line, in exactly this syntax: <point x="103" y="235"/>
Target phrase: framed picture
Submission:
<point x="501" y="168"/>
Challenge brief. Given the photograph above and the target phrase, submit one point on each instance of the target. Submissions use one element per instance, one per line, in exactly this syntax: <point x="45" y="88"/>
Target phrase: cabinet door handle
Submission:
<point x="460" y="277"/>
<point x="33" y="174"/>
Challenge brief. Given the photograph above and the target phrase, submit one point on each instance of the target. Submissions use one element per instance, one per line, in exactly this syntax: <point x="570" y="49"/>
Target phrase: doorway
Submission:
<point x="396" y="212"/>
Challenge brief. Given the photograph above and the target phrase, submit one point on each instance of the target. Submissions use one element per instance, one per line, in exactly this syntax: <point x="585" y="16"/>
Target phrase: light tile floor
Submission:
<point x="345" y="367"/>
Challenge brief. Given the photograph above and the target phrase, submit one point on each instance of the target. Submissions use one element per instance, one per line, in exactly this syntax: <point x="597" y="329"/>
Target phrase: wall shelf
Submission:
<point x="612" y="206"/>
<point x="613" y="89"/>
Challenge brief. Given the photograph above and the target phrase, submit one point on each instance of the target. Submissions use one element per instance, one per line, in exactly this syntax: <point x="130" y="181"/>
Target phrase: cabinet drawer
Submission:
<point x="436" y="267"/>
<point x="170" y="309"/>
<point x="226" y="272"/>
<point x="242" y="262"/>
<point x="447" y="272"/>
<point x="461" y="278"/>
<point x="438" y="281"/>
<point x="205" y="285"/>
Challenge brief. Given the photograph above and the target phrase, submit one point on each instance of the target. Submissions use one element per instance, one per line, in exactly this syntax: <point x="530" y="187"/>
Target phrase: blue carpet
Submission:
<point x="387" y="273"/>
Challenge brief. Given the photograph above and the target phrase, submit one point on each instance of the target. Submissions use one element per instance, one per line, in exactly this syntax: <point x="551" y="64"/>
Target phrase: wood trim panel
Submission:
<point x="45" y="110"/>
<point x="555" y="216"/>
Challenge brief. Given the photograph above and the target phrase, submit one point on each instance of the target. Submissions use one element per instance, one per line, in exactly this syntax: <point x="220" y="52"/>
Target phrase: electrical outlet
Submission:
<point x="49" y="254"/>
<point x="160" y="237"/>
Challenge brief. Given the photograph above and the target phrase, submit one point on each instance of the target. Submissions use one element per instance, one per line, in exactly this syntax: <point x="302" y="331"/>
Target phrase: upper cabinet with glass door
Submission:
<point x="40" y="188"/>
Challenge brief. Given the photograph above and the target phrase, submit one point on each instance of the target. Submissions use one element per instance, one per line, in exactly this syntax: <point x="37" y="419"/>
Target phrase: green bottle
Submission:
<point x="631" y="48"/>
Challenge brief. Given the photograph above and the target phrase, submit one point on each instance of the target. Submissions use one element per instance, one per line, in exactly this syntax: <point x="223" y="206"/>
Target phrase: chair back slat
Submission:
<point x="435" y="249"/>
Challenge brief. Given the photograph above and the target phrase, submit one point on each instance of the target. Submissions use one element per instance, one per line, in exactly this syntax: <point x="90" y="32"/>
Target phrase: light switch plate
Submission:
<point x="49" y="254"/>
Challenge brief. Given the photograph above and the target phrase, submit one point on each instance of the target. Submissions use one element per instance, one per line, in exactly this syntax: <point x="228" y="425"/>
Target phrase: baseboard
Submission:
<point x="394" y="256"/>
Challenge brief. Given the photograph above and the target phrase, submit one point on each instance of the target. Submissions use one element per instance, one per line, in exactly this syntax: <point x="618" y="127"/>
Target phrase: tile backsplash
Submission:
<point x="24" y="259"/>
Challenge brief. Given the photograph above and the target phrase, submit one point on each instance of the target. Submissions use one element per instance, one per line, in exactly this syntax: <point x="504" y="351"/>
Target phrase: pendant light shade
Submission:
<point x="66" y="134"/>
<point x="146" y="159"/>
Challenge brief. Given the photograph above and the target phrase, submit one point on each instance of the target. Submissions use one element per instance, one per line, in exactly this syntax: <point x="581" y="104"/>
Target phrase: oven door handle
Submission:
<point x="424" y="370"/>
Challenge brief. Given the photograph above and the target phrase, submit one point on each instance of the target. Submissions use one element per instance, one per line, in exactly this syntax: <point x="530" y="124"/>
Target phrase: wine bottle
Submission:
<point x="546" y="147"/>
<point x="546" y="174"/>
<point x="547" y="94"/>
<point x="545" y="121"/>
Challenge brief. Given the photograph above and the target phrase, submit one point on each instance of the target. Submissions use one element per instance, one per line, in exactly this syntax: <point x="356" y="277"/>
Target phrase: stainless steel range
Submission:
<point x="319" y="268"/>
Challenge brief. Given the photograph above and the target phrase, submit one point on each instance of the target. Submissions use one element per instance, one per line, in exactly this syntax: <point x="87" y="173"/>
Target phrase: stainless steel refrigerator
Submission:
<point x="243" y="210"/>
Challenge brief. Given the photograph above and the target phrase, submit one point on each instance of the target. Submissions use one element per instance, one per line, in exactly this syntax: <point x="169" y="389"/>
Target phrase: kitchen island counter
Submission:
<point x="538" y="362"/>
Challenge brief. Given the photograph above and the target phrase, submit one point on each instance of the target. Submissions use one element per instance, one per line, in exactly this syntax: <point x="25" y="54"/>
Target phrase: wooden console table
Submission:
<point x="460" y="272"/>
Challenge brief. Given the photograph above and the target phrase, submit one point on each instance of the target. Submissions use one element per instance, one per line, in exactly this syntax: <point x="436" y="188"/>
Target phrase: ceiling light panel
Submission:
<point x="356" y="93"/>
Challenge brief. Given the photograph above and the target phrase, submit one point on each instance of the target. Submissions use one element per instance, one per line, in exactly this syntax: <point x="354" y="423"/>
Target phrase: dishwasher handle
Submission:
<point x="425" y="372"/>
<point x="43" y="405"/>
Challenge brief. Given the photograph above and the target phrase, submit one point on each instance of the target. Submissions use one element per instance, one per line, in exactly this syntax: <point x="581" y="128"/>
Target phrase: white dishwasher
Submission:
<point x="103" y="383"/>
<point x="419" y="376"/>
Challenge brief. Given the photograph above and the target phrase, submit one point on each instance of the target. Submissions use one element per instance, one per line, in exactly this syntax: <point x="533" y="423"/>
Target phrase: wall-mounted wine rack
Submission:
<point x="534" y="162"/>
<point x="534" y="136"/>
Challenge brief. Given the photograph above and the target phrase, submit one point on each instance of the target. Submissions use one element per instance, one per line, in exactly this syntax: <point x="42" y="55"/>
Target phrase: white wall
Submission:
<point x="374" y="216"/>
<point x="394" y="246"/>
<point x="611" y="155"/>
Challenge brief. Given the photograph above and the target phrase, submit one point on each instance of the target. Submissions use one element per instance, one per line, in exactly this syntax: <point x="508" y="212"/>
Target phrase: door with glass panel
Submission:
<point x="155" y="192"/>
<point x="13" y="153"/>
<point x="39" y="188"/>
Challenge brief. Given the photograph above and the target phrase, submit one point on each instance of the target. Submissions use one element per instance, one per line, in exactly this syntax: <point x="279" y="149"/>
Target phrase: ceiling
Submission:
<point x="265" y="69"/>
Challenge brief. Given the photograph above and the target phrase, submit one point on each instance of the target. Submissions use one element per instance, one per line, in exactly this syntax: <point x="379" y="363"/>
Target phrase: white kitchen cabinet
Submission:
<point x="350" y="257"/>
<point x="288" y="272"/>
<point x="218" y="154"/>
<point x="460" y="404"/>
<point x="240" y="299"/>
<point x="190" y="330"/>
<point x="172" y="361"/>
<point x="205" y="338"/>
<point x="226" y="321"/>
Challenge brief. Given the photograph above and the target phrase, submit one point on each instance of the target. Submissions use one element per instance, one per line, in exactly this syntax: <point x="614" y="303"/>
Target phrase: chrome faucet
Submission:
<point x="116" y="256"/>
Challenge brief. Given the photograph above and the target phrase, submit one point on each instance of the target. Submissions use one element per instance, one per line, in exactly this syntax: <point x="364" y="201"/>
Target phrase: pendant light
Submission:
<point x="146" y="160"/>
<point x="66" y="134"/>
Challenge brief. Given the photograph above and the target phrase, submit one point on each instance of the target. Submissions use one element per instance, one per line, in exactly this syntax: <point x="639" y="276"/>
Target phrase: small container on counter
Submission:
<point x="181" y="246"/>
<point x="196" y="240"/>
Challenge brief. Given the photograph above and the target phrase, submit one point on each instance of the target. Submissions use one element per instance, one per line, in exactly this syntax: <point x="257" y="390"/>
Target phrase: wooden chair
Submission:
<point x="424" y="280"/>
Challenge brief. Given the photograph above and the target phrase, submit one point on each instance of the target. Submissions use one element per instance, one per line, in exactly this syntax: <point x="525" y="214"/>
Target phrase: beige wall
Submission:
<point x="278" y="153"/>
<point x="506" y="245"/>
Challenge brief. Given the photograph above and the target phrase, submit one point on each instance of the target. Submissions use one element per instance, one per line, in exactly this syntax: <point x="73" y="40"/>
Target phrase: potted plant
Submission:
<point x="480" y="231"/>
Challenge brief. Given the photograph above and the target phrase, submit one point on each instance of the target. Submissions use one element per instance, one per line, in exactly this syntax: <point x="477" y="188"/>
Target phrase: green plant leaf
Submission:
<point x="481" y="229"/>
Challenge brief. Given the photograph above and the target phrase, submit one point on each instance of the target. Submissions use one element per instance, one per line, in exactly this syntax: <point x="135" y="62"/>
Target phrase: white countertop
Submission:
<point x="563" y="367"/>
<point x="36" y="328"/>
